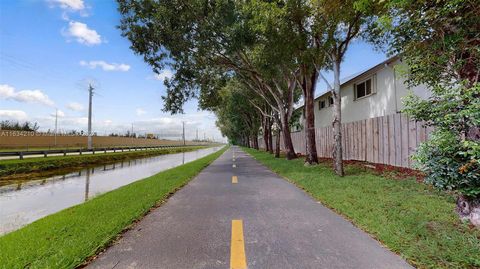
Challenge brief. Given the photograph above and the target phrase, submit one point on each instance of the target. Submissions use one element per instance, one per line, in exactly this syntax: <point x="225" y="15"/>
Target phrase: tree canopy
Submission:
<point x="250" y="61"/>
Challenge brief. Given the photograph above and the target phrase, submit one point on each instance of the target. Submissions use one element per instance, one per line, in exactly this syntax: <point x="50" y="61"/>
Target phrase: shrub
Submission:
<point x="451" y="156"/>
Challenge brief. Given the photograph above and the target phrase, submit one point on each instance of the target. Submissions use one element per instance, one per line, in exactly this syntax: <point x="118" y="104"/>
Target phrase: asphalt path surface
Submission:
<point x="245" y="217"/>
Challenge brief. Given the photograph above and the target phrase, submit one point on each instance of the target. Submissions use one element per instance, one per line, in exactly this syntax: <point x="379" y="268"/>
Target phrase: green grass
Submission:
<point x="66" y="239"/>
<point x="97" y="147"/>
<point x="33" y="165"/>
<point x="409" y="218"/>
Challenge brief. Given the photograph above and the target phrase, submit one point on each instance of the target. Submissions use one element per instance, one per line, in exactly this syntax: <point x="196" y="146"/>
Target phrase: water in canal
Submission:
<point x="24" y="203"/>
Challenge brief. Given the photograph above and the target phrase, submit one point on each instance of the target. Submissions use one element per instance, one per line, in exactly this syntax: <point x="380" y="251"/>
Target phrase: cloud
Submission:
<point x="74" y="122"/>
<point x="140" y="112"/>
<point x="170" y="126"/>
<point x="70" y="6"/>
<point x="75" y="5"/>
<point x="165" y="74"/>
<point x="82" y="33"/>
<point x="26" y="96"/>
<point x="106" y="66"/>
<point x="17" y="115"/>
<point x="75" y="106"/>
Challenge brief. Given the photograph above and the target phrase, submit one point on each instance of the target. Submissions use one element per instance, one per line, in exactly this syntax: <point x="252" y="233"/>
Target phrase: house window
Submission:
<point x="321" y="104"/>
<point x="364" y="89"/>
<point x="330" y="101"/>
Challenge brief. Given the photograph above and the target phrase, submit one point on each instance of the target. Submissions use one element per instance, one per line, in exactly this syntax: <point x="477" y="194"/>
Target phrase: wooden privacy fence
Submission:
<point x="387" y="140"/>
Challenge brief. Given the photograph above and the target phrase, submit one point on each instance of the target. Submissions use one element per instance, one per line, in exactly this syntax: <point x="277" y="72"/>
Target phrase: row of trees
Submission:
<point x="276" y="51"/>
<point x="251" y="61"/>
<point x="17" y="126"/>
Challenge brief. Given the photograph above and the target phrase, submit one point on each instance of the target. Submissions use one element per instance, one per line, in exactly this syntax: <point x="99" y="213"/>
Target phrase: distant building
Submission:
<point x="372" y="93"/>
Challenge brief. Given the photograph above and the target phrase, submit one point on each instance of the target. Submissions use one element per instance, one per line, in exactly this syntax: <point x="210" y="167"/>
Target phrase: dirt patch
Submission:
<point x="384" y="170"/>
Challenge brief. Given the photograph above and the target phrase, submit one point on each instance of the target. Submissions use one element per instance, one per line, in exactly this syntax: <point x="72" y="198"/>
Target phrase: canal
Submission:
<point x="26" y="202"/>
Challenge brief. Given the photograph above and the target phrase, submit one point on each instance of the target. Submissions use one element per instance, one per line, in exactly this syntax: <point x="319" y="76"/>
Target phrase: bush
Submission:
<point x="450" y="158"/>
<point x="450" y="163"/>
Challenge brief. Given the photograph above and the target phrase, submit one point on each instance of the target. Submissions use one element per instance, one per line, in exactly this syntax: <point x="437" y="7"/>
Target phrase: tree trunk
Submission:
<point x="337" y="121"/>
<point x="270" y="136"/>
<point x="469" y="210"/>
<point x="308" y="87"/>
<point x="277" y="144"/>
<point x="255" y="141"/>
<point x="473" y="134"/>
<point x="265" y="132"/>
<point x="287" y="139"/>
<point x="247" y="139"/>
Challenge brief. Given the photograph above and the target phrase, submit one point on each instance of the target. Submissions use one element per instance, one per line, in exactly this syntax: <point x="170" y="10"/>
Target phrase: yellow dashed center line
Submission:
<point x="234" y="179"/>
<point x="238" y="260"/>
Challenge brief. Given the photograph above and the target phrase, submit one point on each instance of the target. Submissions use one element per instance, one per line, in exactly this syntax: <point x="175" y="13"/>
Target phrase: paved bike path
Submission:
<point x="283" y="227"/>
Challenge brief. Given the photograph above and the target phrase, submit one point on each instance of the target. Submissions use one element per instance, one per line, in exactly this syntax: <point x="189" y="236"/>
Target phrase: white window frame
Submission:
<point x="324" y="106"/>
<point x="328" y="101"/>
<point x="373" y="78"/>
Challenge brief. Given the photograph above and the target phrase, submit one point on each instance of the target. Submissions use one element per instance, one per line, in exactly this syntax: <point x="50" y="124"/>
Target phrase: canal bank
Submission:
<point x="23" y="203"/>
<point x="67" y="238"/>
<point x="20" y="170"/>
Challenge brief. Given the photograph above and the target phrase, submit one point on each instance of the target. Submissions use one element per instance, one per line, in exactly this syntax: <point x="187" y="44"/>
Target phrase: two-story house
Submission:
<point x="375" y="92"/>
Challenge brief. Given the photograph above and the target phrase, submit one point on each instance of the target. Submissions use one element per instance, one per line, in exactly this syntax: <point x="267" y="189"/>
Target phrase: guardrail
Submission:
<point x="81" y="151"/>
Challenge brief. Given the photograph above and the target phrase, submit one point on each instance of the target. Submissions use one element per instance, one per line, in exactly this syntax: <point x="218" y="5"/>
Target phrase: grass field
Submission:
<point x="73" y="162"/>
<point x="66" y="239"/>
<point x="408" y="217"/>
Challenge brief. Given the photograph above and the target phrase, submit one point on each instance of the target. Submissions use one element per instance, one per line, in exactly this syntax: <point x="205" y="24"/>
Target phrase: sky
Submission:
<point x="51" y="49"/>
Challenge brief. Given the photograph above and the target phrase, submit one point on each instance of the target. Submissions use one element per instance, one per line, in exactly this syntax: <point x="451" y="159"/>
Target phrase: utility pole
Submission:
<point x="197" y="135"/>
<point x="56" y="125"/>
<point x="90" y="95"/>
<point x="183" y="126"/>
<point x="131" y="135"/>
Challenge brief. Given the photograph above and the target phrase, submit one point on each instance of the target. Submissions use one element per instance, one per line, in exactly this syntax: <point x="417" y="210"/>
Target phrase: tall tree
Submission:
<point x="277" y="22"/>
<point x="205" y="43"/>
<point x="237" y="118"/>
<point x="439" y="41"/>
<point x="338" y="23"/>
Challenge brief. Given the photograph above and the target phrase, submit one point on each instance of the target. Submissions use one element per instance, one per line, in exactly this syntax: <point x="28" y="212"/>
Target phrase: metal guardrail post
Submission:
<point x="80" y="151"/>
<point x="45" y="154"/>
<point x="20" y="154"/>
<point x="64" y="152"/>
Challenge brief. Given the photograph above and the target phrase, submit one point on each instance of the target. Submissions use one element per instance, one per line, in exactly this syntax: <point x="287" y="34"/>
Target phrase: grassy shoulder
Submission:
<point x="66" y="239"/>
<point x="409" y="218"/>
<point x="35" y="165"/>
